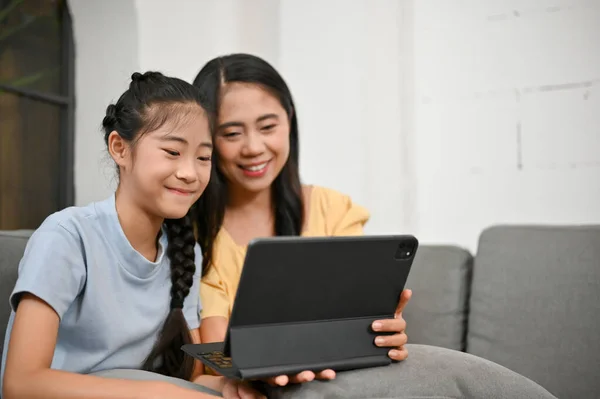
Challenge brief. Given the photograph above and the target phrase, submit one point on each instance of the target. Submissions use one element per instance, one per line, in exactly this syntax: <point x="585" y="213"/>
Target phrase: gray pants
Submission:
<point x="429" y="372"/>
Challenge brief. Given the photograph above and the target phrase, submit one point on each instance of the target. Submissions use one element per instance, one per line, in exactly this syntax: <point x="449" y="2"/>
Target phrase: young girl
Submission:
<point x="107" y="286"/>
<point x="255" y="190"/>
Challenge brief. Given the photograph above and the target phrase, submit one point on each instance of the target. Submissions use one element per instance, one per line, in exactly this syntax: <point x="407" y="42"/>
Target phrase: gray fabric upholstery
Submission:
<point x="429" y="372"/>
<point x="437" y="312"/>
<point x="12" y="245"/>
<point x="535" y="305"/>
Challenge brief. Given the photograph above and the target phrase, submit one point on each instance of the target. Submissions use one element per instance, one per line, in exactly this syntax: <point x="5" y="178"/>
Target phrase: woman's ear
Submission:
<point x="118" y="149"/>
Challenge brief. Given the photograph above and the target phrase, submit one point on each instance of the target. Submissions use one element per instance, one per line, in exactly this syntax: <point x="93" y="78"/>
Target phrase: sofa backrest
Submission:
<point x="535" y="305"/>
<point x="12" y="246"/>
<point x="437" y="313"/>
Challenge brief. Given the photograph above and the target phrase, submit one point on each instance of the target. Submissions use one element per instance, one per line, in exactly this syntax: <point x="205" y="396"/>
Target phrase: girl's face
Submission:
<point x="253" y="136"/>
<point x="167" y="169"/>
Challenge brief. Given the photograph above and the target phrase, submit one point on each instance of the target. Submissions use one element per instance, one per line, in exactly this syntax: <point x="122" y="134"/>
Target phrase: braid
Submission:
<point x="181" y="254"/>
<point x="167" y="357"/>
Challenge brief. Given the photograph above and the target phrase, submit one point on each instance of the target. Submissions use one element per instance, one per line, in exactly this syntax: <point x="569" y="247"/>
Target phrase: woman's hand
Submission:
<point x="396" y="325"/>
<point x="395" y="341"/>
<point x="233" y="389"/>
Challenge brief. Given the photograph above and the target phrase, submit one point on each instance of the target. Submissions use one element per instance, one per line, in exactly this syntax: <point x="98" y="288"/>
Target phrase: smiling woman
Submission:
<point x="255" y="189"/>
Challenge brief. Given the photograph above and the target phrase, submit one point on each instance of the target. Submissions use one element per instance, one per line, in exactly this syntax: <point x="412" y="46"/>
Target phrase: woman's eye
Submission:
<point x="172" y="153"/>
<point x="268" y="128"/>
<point x="230" y="134"/>
<point x="204" y="158"/>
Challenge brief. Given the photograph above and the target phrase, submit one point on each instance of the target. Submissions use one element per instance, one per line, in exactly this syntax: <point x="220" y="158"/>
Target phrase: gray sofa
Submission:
<point x="529" y="300"/>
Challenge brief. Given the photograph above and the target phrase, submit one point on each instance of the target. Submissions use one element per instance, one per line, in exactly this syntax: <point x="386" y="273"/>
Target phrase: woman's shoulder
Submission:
<point x="333" y="208"/>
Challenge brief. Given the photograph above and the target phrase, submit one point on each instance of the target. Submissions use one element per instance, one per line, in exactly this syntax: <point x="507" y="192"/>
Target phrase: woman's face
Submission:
<point x="253" y="136"/>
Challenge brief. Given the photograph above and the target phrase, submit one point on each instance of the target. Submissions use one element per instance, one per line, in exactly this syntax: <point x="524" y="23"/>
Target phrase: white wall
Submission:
<point x="409" y="106"/>
<point x="106" y="50"/>
<point x="344" y="72"/>
<point x="181" y="41"/>
<point x="507" y="121"/>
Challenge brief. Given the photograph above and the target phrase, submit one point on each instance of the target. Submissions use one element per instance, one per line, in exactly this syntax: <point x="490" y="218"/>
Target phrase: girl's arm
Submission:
<point x="215" y="383"/>
<point x="230" y="388"/>
<point x="30" y="351"/>
<point x="198" y="366"/>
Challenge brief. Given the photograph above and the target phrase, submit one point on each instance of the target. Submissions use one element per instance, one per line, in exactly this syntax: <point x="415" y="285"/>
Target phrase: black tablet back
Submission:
<point x="308" y="303"/>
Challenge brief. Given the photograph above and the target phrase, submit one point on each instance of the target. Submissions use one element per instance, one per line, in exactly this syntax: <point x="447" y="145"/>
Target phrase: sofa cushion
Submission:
<point x="535" y="305"/>
<point x="437" y="312"/>
<point x="429" y="373"/>
<point x="12" y="246"/>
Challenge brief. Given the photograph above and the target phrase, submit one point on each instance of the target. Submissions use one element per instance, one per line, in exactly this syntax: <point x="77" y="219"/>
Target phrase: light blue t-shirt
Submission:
<point x="112" y="302"/>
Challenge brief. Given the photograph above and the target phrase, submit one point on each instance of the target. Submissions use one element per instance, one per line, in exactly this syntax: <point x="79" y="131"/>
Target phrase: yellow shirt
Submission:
<point x="330" y="214"/>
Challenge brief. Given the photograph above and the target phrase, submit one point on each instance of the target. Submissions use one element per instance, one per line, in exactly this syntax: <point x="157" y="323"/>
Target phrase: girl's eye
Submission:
<point x="204" y="158"/>
<point x="268" y="128"/>
<point x="230" y="134"/>
<point x="172" y="153"/>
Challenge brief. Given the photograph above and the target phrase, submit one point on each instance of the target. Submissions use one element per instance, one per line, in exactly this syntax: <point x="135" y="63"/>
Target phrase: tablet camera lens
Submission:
<point x="404" y="251"/>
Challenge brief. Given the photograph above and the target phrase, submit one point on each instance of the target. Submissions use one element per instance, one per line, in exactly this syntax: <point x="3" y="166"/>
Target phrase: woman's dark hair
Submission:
<point x="288" y="204"/>
<point x="151" y="101"/>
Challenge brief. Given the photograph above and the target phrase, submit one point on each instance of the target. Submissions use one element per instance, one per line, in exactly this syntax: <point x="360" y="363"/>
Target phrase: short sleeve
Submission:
<point x="53" y="268"/>
<point x="346" y="217"/>
<point x="192" y="305"/>
<point x="213" y="294"/>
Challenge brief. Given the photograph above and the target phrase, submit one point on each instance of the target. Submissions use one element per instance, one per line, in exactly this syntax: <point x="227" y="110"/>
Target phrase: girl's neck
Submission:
<point x="140" y="228"/>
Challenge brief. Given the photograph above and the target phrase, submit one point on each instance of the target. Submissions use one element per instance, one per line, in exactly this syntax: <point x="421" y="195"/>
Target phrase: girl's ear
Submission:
<point x="119" y="149"/>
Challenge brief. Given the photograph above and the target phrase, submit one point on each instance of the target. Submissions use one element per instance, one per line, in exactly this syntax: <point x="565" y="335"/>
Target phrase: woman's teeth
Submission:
<point x="255" y="168"/>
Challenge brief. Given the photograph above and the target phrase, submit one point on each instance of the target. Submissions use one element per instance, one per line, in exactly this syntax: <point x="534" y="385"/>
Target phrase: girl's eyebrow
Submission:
<point x="170" y="137"/>
<point x="179" y="139"/>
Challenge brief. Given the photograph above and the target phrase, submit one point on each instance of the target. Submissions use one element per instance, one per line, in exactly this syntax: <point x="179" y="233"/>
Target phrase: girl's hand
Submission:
<point x="238" y="390"/>
<point x="299" y="378"/>
<point x="396" y="325"/>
